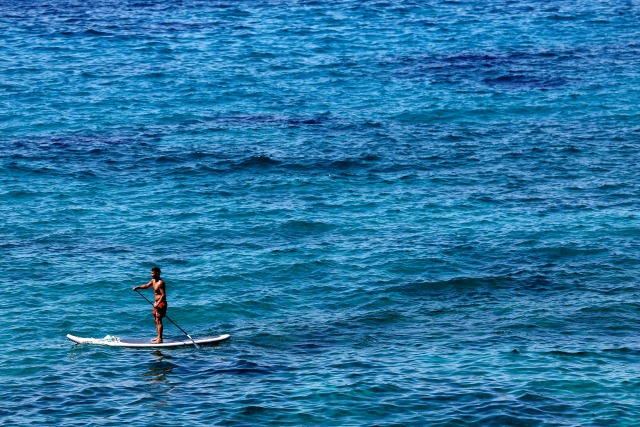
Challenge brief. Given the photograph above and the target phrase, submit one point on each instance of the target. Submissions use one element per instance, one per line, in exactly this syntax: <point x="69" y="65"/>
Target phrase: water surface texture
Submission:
<point x="405" y="213"/>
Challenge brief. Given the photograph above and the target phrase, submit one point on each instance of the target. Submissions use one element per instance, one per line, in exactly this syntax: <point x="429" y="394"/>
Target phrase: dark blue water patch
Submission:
<point x="349" y="164"/>
<point x="525" y="81"/>
<point x="556" y="17"/>
<point x="466" y="283"/>
<point x="535" y="70"/>
<point x="224" y="162"/>
<point x="168" y="160"/>
<point x="309" y="346"/>
<point x="84" y="156"/>
<point x="127" y="151"/>
<point x="305" y="227"/>
<point x="91" y="144"/>
<point x="34" y="169"/>
<point x="242" y="367"/>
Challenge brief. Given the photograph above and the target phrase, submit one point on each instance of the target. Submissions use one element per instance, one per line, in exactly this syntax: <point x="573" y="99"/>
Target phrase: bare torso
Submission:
<point x="159" y="292"/>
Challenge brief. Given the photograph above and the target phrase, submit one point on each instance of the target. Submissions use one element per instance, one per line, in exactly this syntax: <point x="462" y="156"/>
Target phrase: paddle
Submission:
<point x="169" y="319"/>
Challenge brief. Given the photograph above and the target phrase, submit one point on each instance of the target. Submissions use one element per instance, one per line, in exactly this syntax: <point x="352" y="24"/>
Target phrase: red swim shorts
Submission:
<point x="160" y="310"/>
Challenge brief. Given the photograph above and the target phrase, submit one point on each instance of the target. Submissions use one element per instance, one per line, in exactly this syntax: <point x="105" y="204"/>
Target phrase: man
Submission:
<point x="160" y="305"/>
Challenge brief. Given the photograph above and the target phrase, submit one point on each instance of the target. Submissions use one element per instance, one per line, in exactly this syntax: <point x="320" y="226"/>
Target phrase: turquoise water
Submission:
<point x="405" y="213"/>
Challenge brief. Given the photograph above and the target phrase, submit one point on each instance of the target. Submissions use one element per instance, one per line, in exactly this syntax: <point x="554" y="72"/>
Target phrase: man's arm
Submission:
<point x="148" y="285"/>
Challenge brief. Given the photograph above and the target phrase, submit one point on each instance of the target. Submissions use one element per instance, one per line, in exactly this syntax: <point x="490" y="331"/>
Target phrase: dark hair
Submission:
<point x="156" y="270"/>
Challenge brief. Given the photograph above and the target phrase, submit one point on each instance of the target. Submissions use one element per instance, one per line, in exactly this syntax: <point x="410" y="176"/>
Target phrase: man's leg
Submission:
<point x="158" y="339"/>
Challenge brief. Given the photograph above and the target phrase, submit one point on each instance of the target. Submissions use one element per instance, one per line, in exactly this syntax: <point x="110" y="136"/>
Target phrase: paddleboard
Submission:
<point x="139" y="343"/>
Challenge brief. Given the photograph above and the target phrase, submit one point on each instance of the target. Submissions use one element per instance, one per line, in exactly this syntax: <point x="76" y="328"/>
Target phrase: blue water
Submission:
<point x="406" y="213"/>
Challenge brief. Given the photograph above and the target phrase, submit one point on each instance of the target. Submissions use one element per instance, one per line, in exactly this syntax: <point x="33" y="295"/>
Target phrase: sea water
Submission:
<point x="405" y="213"/>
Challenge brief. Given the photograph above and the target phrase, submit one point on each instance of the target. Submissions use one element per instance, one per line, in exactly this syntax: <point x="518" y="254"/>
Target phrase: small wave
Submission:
<point x="457" y="283"/>
<point x="167" y="159"/>
<point x="154" y="75"/>
<point x="595" y="309"/>
<point x="556" y="17"/>
<point x="346" y="164"/>
<point x="20" y="194"/>
<point x="534" y="397"/>
<point x="273" y="120"/>
<point x="622" y="350"/>
<point x="199" y="155"/>
<point x="611" y="187"/>
<point x="571" y="149"/>
<point x="572" y="353"/>
<point x="252" y="410"/>
<point x="258" y="162"/>
<point x="355" y="164"/>
<point x="93" y="32"/>
<point x="381" y="317"/>
<point x="309" y="345"/>
<point x="563" y="252"/>
<point x="371" y="158"/>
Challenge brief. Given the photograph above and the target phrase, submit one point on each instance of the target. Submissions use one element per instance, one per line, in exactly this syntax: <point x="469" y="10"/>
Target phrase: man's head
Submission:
<point x="155" y="271"/>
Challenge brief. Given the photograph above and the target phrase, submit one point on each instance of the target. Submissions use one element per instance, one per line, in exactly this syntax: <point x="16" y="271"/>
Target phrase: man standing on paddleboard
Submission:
<point x="160" y="305"/>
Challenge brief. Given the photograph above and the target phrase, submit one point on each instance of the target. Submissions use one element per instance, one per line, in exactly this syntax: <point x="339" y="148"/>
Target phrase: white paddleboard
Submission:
<point x="138" y="343"/>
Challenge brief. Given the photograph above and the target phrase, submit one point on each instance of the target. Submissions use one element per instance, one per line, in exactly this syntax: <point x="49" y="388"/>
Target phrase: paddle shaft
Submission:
<point x="169" y="319"/>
